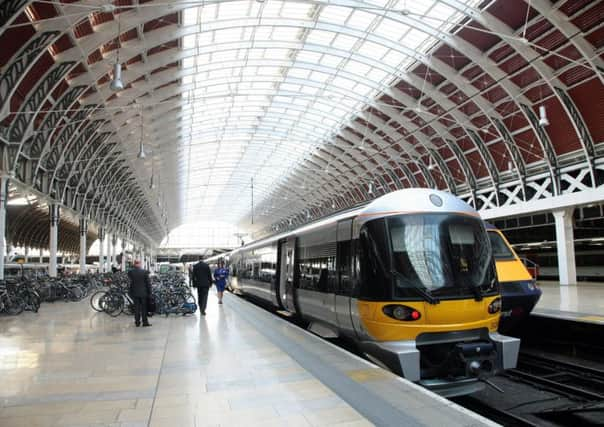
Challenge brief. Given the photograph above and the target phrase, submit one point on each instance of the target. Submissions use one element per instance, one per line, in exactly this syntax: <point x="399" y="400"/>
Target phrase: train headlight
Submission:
<point x="401" y="312"/>
<point x="495" y="306"/>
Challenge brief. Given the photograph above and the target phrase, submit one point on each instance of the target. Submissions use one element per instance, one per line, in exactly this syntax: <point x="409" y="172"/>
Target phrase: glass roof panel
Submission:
<point x="254" y="111"/>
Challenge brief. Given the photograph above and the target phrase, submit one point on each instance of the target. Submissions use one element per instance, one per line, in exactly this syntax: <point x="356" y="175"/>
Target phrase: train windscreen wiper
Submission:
<point x="423" y="292"/>
<point x="477" y="290"/>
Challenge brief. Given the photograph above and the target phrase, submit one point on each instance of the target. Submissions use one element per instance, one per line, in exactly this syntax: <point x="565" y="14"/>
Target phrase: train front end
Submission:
<point x="428" y="301"/>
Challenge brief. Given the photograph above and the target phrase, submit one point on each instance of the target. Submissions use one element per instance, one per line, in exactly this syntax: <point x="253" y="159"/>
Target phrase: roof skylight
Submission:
<point x="272" y="80"/>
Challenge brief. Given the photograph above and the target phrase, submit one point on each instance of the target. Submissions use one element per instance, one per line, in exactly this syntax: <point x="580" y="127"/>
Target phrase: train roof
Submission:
<point x="406" y="201"/>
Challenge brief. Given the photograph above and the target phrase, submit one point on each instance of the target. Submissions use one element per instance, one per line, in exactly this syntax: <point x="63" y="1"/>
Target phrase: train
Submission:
<point x="409" y="278"/>
<point x="589" y="261"/>
<point x="519" y="290"/>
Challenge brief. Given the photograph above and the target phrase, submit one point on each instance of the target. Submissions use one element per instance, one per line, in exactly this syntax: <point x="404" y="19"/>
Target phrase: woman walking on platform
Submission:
<point x="220" y="279"/>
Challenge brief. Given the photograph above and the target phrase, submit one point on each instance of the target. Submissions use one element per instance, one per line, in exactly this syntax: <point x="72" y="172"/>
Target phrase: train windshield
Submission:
<point x="500" y="249"/>
<point x="449" y="255"/>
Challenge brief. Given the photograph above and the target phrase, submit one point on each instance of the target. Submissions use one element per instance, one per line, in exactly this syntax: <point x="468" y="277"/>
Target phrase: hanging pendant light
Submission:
<point x="370" y="191"/>
<point x="543" y="121"/>
<point x="152" y="183"/>
<point x="141" y="149"/>
<point x="116" y="83"/>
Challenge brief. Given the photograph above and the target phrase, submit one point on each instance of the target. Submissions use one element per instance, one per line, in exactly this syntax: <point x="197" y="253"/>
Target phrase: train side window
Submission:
<point x="375" y="281"/>
<point x="343" y="278"/>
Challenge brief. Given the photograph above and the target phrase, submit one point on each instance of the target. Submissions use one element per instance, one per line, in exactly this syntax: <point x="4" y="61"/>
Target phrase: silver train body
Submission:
<point x="323" y="273"/>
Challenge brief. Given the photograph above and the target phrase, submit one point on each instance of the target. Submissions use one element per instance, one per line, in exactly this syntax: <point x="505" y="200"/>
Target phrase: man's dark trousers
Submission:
<point x="202" y="298"/>
<point x="140" y="307"/>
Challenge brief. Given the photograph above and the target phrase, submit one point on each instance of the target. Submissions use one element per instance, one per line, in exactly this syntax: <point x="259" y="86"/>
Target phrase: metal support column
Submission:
<point x="41" y="255"/>
<point x="107" y="265"/>
<point x="54" y="239"/>
<point x="565" y="239"/>
<point x="3" y="200"/>
<point x="83" y="234"/>
<point x="26" y="255"/>
<point x="114" y="250"/>
<point x="101" y="258"/>
<point x="123" y="254"/>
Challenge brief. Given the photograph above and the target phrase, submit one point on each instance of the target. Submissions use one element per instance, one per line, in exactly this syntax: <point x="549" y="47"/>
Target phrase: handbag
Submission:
<point x="151" y="305"/>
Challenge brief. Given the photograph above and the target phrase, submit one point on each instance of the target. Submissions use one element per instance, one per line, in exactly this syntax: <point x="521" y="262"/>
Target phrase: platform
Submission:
<point x="238" y="366"/>
<point x="583" y="302"/>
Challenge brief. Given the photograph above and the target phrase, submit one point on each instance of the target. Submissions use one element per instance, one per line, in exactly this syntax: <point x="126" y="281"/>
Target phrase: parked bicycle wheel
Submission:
<point x="75" y="293"/>
<point x="95" y="300"/>
<point x="31" y="300"/>
<point x="112" y="304"/>
<point x="14" y="305"/>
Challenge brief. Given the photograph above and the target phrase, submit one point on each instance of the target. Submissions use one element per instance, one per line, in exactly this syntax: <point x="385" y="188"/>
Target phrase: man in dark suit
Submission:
<point x="202" y="280"/>
<point x="140" y="290"/>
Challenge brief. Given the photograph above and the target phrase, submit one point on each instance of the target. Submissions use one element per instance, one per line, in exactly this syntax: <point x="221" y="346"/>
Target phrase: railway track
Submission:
<point x="544" y="390"/>
<point x="501" y="416"/>
<point x="571" y="379"/>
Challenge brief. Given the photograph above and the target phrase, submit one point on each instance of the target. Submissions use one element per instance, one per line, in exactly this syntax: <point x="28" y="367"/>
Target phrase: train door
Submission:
<point x="286" y="280"/>
<point x="344" y="277"/>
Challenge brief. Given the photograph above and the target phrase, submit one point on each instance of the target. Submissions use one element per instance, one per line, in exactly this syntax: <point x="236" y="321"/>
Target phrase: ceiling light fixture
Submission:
<point x="152" y="183"/>
<point x="370" y="191"/>
<point x="141" y="149"/>
<point x="543" y="121"/>
<point x="117" y="84"/>
<point x="431" y="165"/>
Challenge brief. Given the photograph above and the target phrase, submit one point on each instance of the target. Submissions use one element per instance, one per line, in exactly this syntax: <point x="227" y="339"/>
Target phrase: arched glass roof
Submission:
<point x="318" y="105"/>
<point x="269" y="82"/>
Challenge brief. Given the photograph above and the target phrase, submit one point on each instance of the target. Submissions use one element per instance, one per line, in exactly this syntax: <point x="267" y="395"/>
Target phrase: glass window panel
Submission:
<point x="188" y="62"/>
<point x="357" y="68"/>
<point x="361" y="20"/>
<point x="320" y="37"/>
<point x="331" y="61"/>
<point x="208" y="13"/>
<point x="335" y="14"/>
<point x="391" y="29"/>
<point x="344" y="42"/>
<point x="189" y="41"/>
<point x="190" y="16"/>
<point x="284" y="33"/>
<point x="373" y="50"/>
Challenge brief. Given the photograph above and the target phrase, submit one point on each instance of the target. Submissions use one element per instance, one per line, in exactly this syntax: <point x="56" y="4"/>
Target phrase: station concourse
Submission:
<point x="343" y="159"/>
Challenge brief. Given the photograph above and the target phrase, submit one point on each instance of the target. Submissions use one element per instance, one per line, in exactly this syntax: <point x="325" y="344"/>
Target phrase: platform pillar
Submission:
<point x="123" y="255"/>
<point x="114" y="250"/>
<point x="53" y="210"/>
<point x="83" y="235"/>
<point x="101" y="241"/>
<point x="26" y="255"/>
<point x="565" y="240"/>
<point x="41" y="255"/>
<point x="3" y="200"/>
<point x="108" y="257"/>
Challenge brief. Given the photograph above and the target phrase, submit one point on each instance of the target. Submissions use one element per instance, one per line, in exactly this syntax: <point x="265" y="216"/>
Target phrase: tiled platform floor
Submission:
<point x="583" y="302"/>
<point x="70" y="366"/>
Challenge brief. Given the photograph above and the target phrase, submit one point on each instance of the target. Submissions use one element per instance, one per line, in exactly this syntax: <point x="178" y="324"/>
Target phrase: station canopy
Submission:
<point x="265" y="114"/>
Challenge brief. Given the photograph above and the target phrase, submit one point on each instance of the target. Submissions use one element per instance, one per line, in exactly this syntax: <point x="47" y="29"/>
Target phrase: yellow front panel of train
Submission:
<point x="454" y="315"/>
<point x="511" y="271"/>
